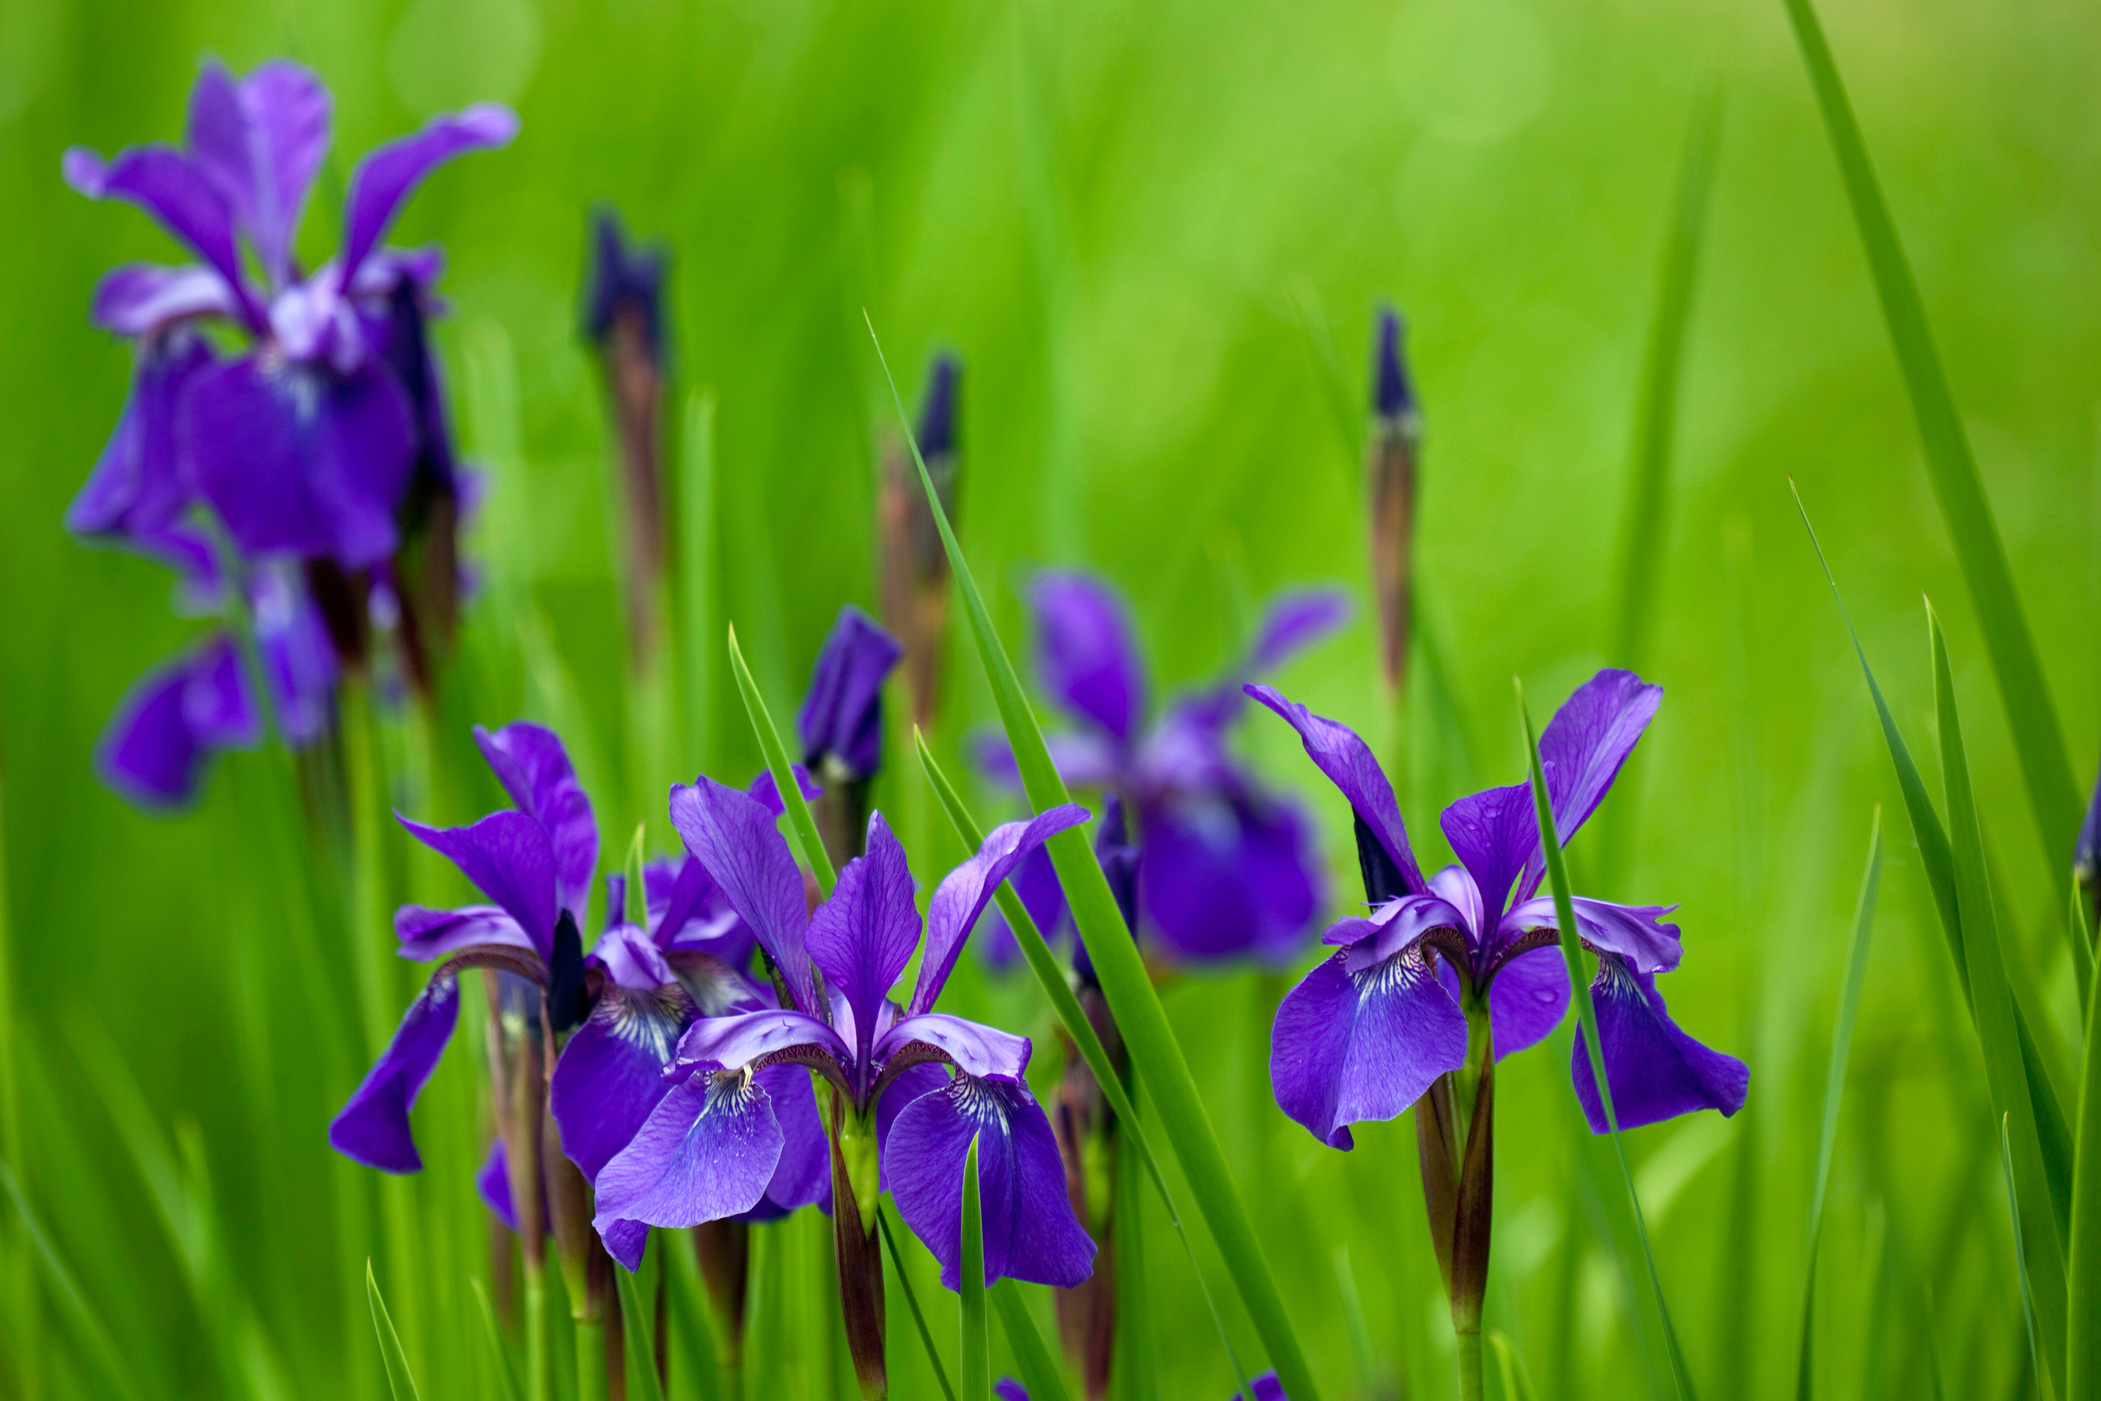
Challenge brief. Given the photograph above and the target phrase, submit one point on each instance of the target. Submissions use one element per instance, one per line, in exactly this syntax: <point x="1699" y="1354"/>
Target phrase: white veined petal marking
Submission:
<point x="648" y="1021"/>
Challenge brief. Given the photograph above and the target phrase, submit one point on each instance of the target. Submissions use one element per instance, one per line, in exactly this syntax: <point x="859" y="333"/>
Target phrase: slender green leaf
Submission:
<point x="1032" y="1357"/>
<point x="1517" y="1382"/>
<point x="636" y="1336"/>
<point x="1155" y="1053"/>
<point x="17" y="1263"/>
<point x="90" y="1336"/>
<point x="2005" y="1068"/>
<point x="696" y="577"/>
<point x="1957" y="485"/>
<point x="800" y="820"/>
<point x="2020" y="1253"/>
<point x="904" y="1280"/>
<point x="2082" y="931"/>
<point x="692" y="1331"/>
<point x="2083" y="1267"/>
<point x="500" y="1360"/>
<point x="1334" y="384"/>
<point x="1587" y="1012"/>
<point x="1835" y="1084"/>
<point x="1353" y="1314"/>
<point x="976" y="1367"/>
<point x="1656" y="414"/>
<point x="399" y="1382"/>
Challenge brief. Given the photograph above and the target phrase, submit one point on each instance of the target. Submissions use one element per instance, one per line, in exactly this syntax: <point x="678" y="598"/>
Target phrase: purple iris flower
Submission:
<point x="911" y="1086"/>
<point x="156" y="746"/>
<point x="304" y="440"/>
<point x="1369" y="1029"/>
<point x="621" y="1007"/>
<point x="1225" y="867"/>
<point x="841" y="720"/>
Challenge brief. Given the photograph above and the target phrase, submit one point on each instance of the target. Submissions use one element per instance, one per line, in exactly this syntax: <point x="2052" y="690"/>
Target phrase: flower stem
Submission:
<point x="538" y="1383"/>
<point x="1469" y="1364"/>
<point x="591" y="1361"/>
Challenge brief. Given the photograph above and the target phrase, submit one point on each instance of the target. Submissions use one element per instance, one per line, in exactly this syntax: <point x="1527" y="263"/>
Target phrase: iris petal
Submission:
<point x="1656" y="1071"/>
<point x="1353" y="1046"/>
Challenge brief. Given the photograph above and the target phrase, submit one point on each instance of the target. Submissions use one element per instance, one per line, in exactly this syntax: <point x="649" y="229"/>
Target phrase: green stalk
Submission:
<point x="1155" y="1053"/>
<point x="506" y="1374"/>
<point x="1587" y="1012"/>
<point x="92" y="1337"/>
<point x="17" y="1264"/>
<point x="1470" y="1366"/>
<point x="976" y="1367"/>
<point x="399" y="1382"/>
<point x="800" y="820"/>
<point x="904" y="1282"/>
<point x="1957" y="485"/>
<point x="1032" y="1357"/>
<point x="1835" y="1085"/>
<point x="590" y="1358"/>
<point x="2083" y="1268"/>
<point x="642" y="1384"/>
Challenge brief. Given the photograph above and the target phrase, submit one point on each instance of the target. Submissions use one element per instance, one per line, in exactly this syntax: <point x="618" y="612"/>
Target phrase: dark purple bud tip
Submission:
<point x="937" y="412"/>
<point x="2086" y="856"/>
<point x="1393" y="392"/>
<point x="568" y="999"/>
<point x="624" y="278"/>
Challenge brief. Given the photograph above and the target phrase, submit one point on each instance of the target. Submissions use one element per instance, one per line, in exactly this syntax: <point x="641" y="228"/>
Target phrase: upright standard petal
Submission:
<point x="1493" y="833"/>
<point x="864" y="935"/>
<point x="1353" y="1046"/>
<point x="708" y="1150"/>
<point x="1656" y="1071"/>
<point x="163" y="182"/>
<point x="842" y="712"/>
<point x="1293" y="623"/>
<point x="965" y="891"/>
<point x="768" y="794"/>
<point x="1583" y="748"/>
<point x="534" y="768"/>
<point x="1085" y="655"/>
<point x="734" y="839"/>
<point x="611" y="1074"/>
<point x="385" y="177"/>
<point x="1035" y="880"/>
<point x="260" y="141"/>
<point x="373" y="1128"/>
<point x="1221" y="879"/>
<point x="507" y="856"/>
<point x="1338" y="752"/>
<point x="1030" y="1231"/>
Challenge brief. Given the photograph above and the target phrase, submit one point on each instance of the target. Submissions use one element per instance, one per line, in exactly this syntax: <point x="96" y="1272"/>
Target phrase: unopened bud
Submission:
<point x="1396" y="435"/>
<point x="914" y="564"/>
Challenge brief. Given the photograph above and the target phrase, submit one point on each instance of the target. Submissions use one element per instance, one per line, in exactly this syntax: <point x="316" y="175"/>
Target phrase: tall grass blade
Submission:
<point x="501" y="1364"/>
<point x="1835" y="1085"/>
<point x="1957" y="485"/>
<point x="2082" y="950"/>
<point x="904" y="1281"/>
<point x="2006" y="1071"/>
<point x="692" y="1331"/>
<point x="1586" y="1009"/>
<point x="2020" y="1255"/>
<point x="1032" y="1356"/>
<point x="399" y="1382"/>
<point x="1155" y="1053"/>
<point x="800" y="819"/>
<point x="98" y="1348"/>
<point x="1656" y="415"/>
<point x="2083" y="1267"/>
<point x="1353" y="1314"/>
<point x="976" y="1366"/>
<point x="17" y="1262"/>
<point x="1346" y="407"/>
<point x="1517" y="1382"/>
<point x="696" y="578"/>
<point x="635" y="1316"/>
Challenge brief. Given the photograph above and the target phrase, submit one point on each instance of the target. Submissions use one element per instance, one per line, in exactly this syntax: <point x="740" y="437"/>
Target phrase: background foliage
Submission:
<point x="1123" y="217"/>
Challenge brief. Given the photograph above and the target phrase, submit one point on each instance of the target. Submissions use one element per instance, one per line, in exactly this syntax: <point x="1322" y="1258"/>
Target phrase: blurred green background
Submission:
<point x="1121" y="216"/>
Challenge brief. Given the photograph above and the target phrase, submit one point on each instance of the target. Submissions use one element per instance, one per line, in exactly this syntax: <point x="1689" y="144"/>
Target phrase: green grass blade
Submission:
<point x="2020" y="1254"/>
<point x="2005" y="1068"/>
<point x="99" y="1349"/>
<point x="1155" y="1053"/>
<point x="696" y="578"/>
<point x="399" y="1382"/>
<point x="926" y="1335"/>
<point x="500" y="1363"/>
<point x="1586" y="1010"/>
<point x="2083" y="1267"/>
<point x="782" y="767"/>
<point x="2082" y="950"/>
<point x="1353" y="1315"/>
<point x="1656" y="415"/>
<point x="976" y="1366"/>
<point x="1343" y="404"/>
<point x="1835" y="1083"/>
<point x="17" y="1264"/>
<point x="1044" y="964"/>
<point x="642" y="1384"/>
<point x="1032" y="1357"/>
<point x="1517" y="1382"/>
<point x="1957" y="485"/>
<point x="692" y="1331"/>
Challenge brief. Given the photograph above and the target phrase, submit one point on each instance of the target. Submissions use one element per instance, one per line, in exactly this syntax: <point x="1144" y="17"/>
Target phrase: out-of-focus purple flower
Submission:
<point x="914" y="564"/>
<point x="1371" y="1028"/>
<point x="913" y="1084"/>
<point x="154" y="750"/>
<point x="841" y="726"/>
<point x="305" y="440"/>
<point x="2086" y="857"/>
<point x="624" y="317"/>
<point x="619" y="1009"/>
<point x="1396" y="438"/>
<point x="1225" y="868"/>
